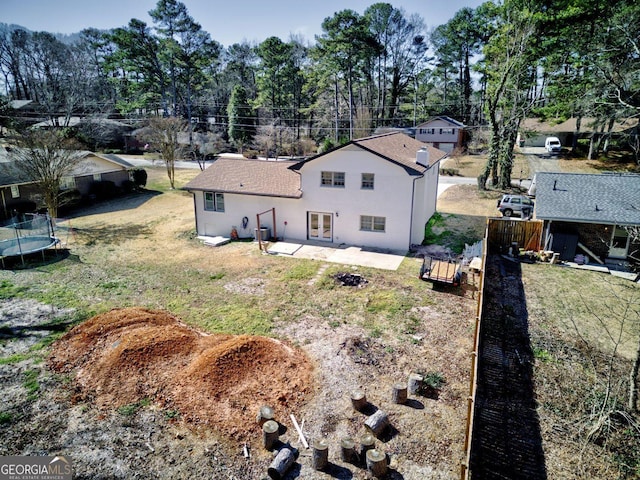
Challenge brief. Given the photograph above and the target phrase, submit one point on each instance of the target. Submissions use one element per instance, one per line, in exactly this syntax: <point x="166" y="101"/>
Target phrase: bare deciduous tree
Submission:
<point x="45" y="157"/>
<point x="163" y="136"/>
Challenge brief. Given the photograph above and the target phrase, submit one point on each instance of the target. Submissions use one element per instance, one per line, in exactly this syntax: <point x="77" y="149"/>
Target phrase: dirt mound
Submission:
<point x="125" y="355"/>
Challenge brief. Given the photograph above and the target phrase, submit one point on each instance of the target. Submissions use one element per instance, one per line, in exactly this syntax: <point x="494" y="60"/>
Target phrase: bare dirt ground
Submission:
<point x="114" y="423"/>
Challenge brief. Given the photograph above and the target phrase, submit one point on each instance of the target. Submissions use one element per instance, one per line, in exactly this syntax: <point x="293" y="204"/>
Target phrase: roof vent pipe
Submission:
<point x="422" y="157"/>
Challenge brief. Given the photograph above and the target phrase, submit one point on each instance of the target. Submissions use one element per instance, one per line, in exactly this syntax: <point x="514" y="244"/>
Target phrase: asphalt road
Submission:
<point x="143" y="162"/>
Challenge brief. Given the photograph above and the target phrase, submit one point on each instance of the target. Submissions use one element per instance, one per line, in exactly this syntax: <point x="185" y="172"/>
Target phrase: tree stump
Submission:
<point x="348" y="450"/>
<point x="281" y="464"/>
<point x="376" y="463"/>
<point x="320" y="454"/>
<point x="270" y="434"/>
<point x="377" y="422"/>
<point x="265" y="413"/>
<point x="358" y="400"/>
<point x="399" y="393"/>
<point x="367" y="442"/>
<point x="414" y="384"/>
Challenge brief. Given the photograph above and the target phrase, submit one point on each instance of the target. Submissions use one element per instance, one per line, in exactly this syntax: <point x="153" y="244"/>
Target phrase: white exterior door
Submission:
<point x="320" y="226"/>
<point x="619" y="243"/>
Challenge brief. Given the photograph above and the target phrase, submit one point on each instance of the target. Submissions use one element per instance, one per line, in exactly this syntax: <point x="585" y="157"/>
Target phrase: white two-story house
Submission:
<point x="377" y="191"/>
<point x="443" y="133"/>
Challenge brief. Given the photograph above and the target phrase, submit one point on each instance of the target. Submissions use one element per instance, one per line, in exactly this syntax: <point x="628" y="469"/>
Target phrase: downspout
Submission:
<point x="195" y="209"/>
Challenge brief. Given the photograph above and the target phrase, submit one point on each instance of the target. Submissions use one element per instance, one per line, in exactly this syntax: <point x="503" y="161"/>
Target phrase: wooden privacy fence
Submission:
<point x="503" y="233"/>
<point x="464" y="467"/>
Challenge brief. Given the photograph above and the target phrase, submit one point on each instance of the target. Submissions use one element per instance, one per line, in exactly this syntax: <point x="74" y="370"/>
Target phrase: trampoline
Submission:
<point x="33" y="233"/>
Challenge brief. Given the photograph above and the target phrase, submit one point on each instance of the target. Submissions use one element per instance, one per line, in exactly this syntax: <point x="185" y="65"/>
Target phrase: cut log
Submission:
<point x="281" y="464"/>
<point x="367" y="442"/>
<point x="377" y="422"/>
<point x="270" y="434"/>
<point x="399" y="393"/>
<point x="265" y="413"/>
<point x="414" y="384"/>
<point x="320" y="454"/>
<point x="348" y="450"/>
<point x="376" y="463"/>
<point x="358" y="400"/>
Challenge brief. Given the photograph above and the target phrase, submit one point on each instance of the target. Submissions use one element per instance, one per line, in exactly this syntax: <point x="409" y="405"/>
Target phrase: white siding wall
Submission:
<point x="424" y="203"/>
<point x="94" y="165"/>
<point x="239" y="206"/>
<point x="390" y="198"/>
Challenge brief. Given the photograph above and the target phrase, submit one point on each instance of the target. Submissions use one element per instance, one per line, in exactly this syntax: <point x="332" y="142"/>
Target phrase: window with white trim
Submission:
<point x="214" y="202"/>
<point x="15" y="191"/>
<point x="367" y="181"/>
<point x="369" y="223"/>
<point x="447" y="131"/>
<point x="67" y="183"/>
<point x="97" y="177"/>
<point x="332" y="179"/>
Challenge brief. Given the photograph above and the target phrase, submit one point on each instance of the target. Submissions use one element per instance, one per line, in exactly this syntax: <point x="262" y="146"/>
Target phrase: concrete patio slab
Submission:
<point x="346" y="255"/>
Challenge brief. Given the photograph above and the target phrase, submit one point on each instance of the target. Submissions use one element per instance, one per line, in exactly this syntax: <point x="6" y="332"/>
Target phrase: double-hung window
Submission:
<point x="369" y="223"/>
<point x="213" y="202"/>
<point x="332" y="179"/>
<point x="367" y="181"/>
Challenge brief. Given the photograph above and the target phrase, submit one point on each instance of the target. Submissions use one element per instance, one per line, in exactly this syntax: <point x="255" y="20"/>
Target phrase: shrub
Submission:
<point x="128" y="186"/>
<point x="139" y="177"/>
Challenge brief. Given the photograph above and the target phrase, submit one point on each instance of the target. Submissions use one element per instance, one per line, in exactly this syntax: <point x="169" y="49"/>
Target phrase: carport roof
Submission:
<point x="249" y="177"/>
<point x="587" y="125"/>
<point x="588" y="198"/>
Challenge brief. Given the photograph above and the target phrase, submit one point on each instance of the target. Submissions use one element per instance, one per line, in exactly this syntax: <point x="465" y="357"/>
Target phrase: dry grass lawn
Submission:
<point x="141" y="251"/>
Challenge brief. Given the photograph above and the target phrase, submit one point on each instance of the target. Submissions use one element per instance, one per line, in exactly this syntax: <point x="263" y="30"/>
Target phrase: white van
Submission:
<point x="553" y="145"/>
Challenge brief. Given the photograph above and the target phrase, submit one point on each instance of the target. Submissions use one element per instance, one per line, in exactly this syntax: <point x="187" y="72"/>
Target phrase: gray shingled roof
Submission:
<point x="395" y="147"/>
<point x="281" y="179"/>
<point x="450" y="120"/>
<point x="588" y="198"/>
<point x="249" y="177"/>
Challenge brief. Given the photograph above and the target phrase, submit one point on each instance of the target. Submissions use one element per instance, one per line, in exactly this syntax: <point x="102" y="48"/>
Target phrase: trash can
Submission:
<point x="264" y="234"/>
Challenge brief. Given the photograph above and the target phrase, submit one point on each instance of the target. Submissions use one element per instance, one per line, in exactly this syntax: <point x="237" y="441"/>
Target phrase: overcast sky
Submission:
<point x="228" y="21"/>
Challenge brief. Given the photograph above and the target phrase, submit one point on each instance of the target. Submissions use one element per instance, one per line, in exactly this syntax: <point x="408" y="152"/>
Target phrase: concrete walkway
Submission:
<point x="344" y="254"/>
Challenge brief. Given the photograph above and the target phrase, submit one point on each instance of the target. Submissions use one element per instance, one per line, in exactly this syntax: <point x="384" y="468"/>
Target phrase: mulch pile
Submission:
<point x="220" y="381"/>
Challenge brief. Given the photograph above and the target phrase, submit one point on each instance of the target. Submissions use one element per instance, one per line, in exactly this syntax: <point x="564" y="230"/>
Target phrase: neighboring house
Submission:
<point x="533" y="132"/>
<point x="588" y="213"/>
<point x="97" y="132"/>
<point x="17" y="191"/>
<point x="442" y="132"/>
<point x="377" y="191"/>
